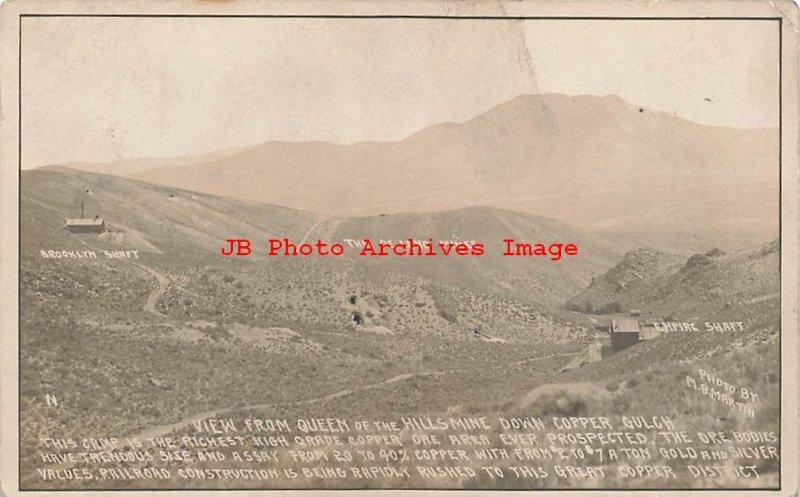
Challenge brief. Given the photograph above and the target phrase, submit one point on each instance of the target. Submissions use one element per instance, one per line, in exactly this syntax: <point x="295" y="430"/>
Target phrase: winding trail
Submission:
<point x="156" y="293"/>
<point x="163" y="430"/>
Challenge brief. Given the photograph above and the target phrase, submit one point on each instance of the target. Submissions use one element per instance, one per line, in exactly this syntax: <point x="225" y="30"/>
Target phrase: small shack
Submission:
<point x="624" y="333"/>
<point x="86" y="225"/>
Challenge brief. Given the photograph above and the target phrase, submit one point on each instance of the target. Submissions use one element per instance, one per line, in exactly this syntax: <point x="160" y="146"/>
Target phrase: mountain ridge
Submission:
<point x="593" y="162"/>
<point x="705" y="284"/>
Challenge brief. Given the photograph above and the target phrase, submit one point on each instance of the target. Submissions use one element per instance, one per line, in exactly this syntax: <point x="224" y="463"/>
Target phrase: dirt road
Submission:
<point x="156" y="294"/>
<point x="164" y="430"/>
<point x="313" y="227"/>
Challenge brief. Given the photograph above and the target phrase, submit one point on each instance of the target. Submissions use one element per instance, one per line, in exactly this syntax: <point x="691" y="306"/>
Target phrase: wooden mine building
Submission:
<point x="624" y="333"/>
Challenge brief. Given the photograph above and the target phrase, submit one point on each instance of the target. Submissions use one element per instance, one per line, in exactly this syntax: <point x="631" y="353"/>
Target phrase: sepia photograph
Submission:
<point x="474" y="246"/>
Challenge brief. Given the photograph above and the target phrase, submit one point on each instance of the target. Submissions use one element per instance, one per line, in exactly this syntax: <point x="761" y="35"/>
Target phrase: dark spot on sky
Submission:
<point x="641" y="110"/>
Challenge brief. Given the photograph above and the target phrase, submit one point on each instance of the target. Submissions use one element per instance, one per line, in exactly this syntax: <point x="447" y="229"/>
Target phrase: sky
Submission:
<point x="105" y="89"/>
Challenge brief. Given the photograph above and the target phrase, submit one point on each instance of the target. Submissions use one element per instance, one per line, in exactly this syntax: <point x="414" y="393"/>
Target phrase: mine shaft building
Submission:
<point x="624" y="333"/>
<point x="86" y="225"/>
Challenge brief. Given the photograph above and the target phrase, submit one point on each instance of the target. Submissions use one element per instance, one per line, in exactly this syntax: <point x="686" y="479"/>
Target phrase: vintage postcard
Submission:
<point x="402" y="247"/>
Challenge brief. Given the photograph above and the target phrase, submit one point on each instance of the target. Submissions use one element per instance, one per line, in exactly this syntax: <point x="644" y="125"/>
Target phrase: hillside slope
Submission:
<point x="623" y="283"/>
<point x="154" y="219"/>
<point x="172" y="226"/>
<point x="714" y="283"/>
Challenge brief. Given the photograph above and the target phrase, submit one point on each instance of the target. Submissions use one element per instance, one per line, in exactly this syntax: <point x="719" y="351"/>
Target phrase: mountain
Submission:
<point x="597" y="163"/>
